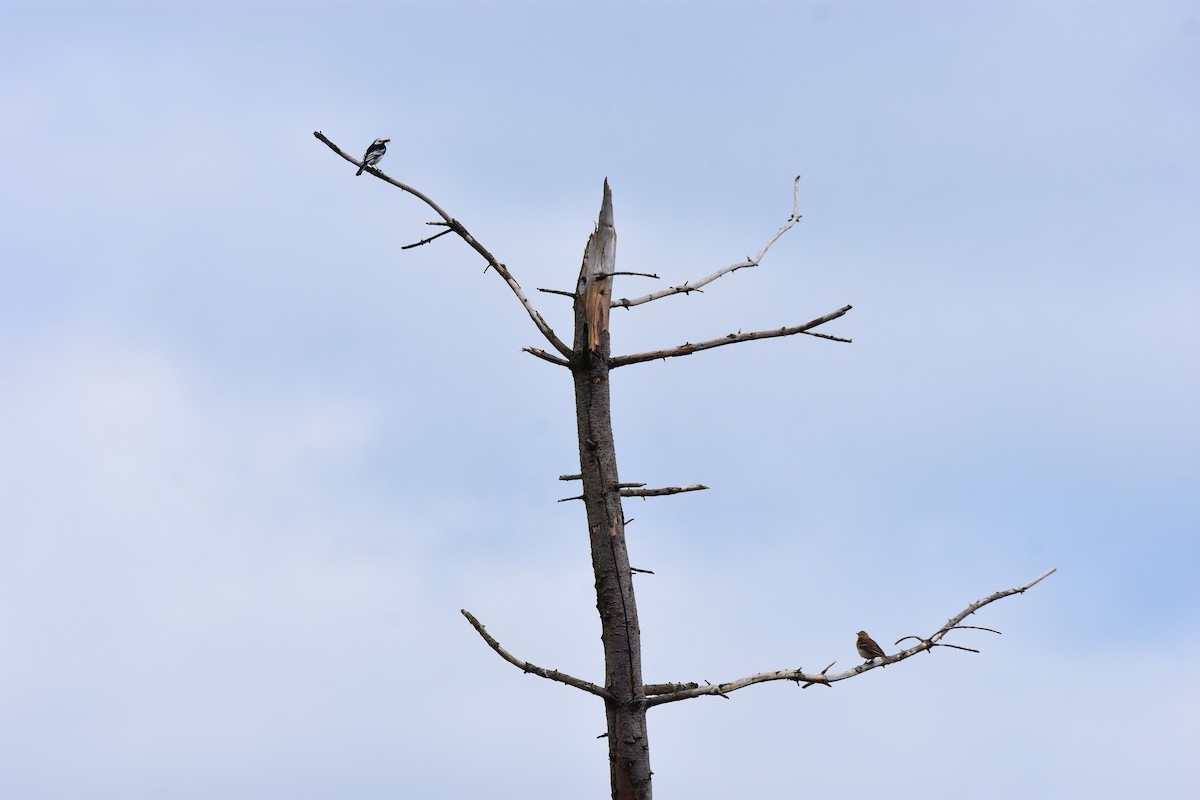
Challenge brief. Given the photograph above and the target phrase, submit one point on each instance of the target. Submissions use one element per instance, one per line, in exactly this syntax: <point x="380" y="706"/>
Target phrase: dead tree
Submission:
<point x="626" y="695"/>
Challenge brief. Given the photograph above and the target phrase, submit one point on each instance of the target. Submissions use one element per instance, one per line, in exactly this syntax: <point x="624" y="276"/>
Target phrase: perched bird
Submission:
<point x="867" y="647"/>
<point x="373" y="154"/>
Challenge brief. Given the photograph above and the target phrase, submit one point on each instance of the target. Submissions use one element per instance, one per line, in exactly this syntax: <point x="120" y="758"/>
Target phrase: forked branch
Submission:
<point x="688" y="348"/>
<point x="808" y="679"/>
<point x="458" y="228"/>
<point x="533" y="669"/>
<point x="688" y="287"/>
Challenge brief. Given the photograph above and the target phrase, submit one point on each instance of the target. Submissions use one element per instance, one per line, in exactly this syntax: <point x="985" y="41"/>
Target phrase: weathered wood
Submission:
<point x="628" y="744"/>
<point x="660" y="492"/>
<point x="595" y="276"/>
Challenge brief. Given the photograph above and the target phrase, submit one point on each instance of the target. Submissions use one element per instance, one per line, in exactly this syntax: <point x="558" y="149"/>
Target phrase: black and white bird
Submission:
<point x="373" y="154"/>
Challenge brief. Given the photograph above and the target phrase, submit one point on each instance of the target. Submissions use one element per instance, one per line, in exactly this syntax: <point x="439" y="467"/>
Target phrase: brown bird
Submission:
<point x="868" y="649"/>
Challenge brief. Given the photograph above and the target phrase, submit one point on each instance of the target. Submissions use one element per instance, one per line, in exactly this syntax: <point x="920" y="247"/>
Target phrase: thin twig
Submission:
<point x="557" y="291"/>
<point x="723" y="689"/>
<point x="570" y="477"/>
<point x="525" y="666"/>
<point x="542" y="354"/>
<point x="930" y="644"/>
<point x="466" y="236"/>
<point x="642" y="571"/>
<point x="902" y="638"/>
<point x="831" y="338"/>
<point x="635" y="274"/>
<point x="688" y="348"/>
<point x="660" y="492"/>
<point x="426" y="240"/>
<point x="688" y="287"/>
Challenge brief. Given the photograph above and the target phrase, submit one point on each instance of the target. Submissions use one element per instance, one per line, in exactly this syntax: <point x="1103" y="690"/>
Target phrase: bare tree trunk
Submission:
<point x="628" y="746"/>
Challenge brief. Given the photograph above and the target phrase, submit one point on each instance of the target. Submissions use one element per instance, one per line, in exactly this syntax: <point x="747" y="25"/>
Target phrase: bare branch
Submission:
<point x="634" y="274"/>
<point x="642" y="571"/>
<point x="557" y="291"/>
<point x="570" y="477"/>
<point x="732" y="686"/>
<point x="828" y="336"/>
<point x="667" y="688"/>
<point x="717" y="690"/>
<point x="943" y="644"/>
<point x="688" y="287"/>
<point x="465" y="235"/>
<point x="688" y="348"/>
<point x="820" y="679"/>
<point x="525" y="666"/>
<point x="542" y="354"/>
<point x="665" y="490"/>
<point x="977" y="628"/>
<point x="723" y="689"/>
<point x="630" y="491"/>
<point x="426" y="240"/>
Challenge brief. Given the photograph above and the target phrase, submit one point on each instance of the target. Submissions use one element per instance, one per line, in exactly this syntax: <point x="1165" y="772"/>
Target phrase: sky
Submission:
<point x="255" y="457"/>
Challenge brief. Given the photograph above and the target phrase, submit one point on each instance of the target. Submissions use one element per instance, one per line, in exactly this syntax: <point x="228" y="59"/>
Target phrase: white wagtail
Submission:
<point x="373" y="154"/>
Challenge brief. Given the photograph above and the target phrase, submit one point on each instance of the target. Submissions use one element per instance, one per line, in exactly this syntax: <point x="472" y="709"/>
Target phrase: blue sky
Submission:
<point x="254" y="458"/>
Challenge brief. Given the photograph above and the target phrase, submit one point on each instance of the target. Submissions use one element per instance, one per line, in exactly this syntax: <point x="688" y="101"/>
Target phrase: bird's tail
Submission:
<point x="360" y="169"/>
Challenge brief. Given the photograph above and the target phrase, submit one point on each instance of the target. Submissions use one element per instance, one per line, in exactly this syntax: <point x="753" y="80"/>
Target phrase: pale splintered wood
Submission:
<point x="595" y="277"/>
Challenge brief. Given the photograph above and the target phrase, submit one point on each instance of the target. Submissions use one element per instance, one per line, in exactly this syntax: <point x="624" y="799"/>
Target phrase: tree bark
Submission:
<point x="628" y="745"/>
